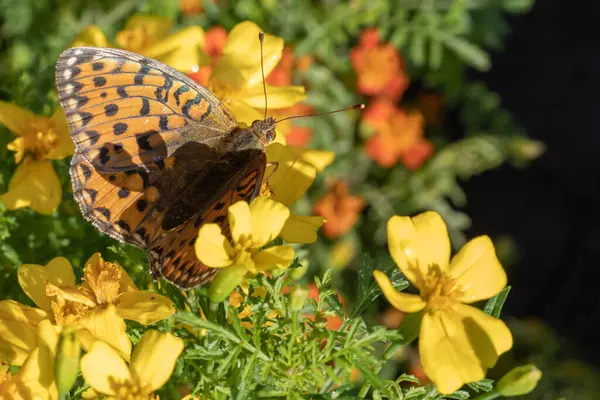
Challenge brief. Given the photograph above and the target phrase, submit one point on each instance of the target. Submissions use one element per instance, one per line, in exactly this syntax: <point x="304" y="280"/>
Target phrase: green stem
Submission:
<point x="212" y="311"/>
<point x="385" y="357"/>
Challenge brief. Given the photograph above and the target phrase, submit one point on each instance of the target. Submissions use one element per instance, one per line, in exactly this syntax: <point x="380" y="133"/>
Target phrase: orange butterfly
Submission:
<point x="157" y="155"/>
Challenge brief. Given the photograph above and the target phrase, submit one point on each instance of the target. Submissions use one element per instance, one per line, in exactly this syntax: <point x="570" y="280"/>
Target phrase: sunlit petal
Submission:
<point x="144" y="307"/>
<point x="17" y="119"/>
<point x="418" y="244"/>
<point x="276" y="257"/>
<point x="406" y="302"/>
<point x="240" y="221"/>
<point x="181" y="50"/>
<point x="48" y="335"/>
<point x="91" y="36"/>
<point x="212" y="247"/>
<point x="243" y="113"/>
<point x="35" y="185"/>
<point x="154" y="358"/>
<point x="17" y="340"/>
<point x="319" y="159"/>
<point x="301" y="229"/>
<point x="104" y="324"/>
<point x="240" y="64"/>
<point x="69" y="293"/>
<point x="33" y="278"/>
<point x="102" y="367"/>
<point x="11" y="310"/>
<point x="477" y="270"/>
<point x="36" y="375"/>
<point x="291" y="178"/>
<point x="64" y="145"/>
<point x="268" y="217"/>
<point x="278" y="96"/>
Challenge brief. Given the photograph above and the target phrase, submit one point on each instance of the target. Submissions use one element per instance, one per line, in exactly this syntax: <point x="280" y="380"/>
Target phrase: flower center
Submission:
<point x="66" y="311"/>
<point x="222" y="90"/>
<point x="443" y="291"/>
<point x="39" y="141"/>
<point x="129" y="390"/>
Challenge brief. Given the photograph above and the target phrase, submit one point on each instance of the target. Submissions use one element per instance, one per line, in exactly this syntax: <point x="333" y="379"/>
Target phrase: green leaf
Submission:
<point x="494" y="305"/>
<point x="374" y="379"/>
<point x="485" y="385"/>
<point x="469" y="52"/>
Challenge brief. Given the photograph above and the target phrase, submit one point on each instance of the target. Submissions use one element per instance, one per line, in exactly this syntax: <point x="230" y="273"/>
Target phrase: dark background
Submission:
<point x="548" y="76"/>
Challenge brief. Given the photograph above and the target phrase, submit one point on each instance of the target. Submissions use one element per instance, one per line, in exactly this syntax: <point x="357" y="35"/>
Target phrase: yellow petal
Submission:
<point x="104" y="324"/>
<point x="154" y="358"/>
<point x="33" y="278"/>
<point x="458" y="345"/>
<point x="240" y="221"/>
<point x="91" y="36"/>
<point x="34" y="185"/>
<point x="225" y="281"/>
<point x="71" y="293"/>
<point x="268" y="217"/>
<point x="154" y="27"/>
<point x="276" y="257"/>
<point x="144" y="307"/>
<point x="212" y="247"/>
<point x="301" y="229"/>
<point x="104" y="369"/>
<point x="11" y="310"/>
<point x="291" y="178"/>
<point x="240" y="64"/>
<point x="64" y="146"/>
<point x="243" y="113"/>
<point x="17" y="119"/>
<point x="17" y="340"/>
<point x="319" y="159"/>
<point x="278" y="96"/>
<point x="418" y="245"/>
<point x="36" y="376"/>
<point x="409" y="303"/>
<point x="477" y="270"/>
<point x="181" y="50"/>
<point x="48" y="336"/>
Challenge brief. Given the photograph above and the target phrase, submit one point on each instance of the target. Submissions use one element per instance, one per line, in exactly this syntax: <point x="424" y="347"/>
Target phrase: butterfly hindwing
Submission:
<point x="127" y="110"/>
<point x="174" y="258"/>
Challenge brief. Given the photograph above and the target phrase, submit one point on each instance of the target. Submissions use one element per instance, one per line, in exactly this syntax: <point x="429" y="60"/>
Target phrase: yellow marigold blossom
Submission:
<point x="149" y="36"/>
<point x="152" y="364"/>
<point x="96" y="307"/>
<point x="457" y="342"/>
<point x="252" y="227"/>
<point x="39" y="140"/>
<point x="237" y="78"/>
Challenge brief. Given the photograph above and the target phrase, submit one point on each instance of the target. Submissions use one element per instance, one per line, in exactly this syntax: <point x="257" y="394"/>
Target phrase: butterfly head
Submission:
<point x="264" y="129"/>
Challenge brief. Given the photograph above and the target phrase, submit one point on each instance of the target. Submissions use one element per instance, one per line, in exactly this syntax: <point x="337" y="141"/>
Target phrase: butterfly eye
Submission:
<point x="270" y="135"/>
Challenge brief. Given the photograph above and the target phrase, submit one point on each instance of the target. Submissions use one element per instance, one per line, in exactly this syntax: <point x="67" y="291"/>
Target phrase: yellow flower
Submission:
<point x="96" y="308"/>
<point x="151" y="365"/>
<point x="457" y="343"/>
<point x="237" y="78"/>
<point x="39" y="140"/>
<point x="149" y="36"/>
<point x="34" y="380"/>
<point x="252" y="227"/>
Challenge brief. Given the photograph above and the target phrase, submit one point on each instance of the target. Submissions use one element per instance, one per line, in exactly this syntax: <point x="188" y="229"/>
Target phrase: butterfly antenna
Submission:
<point x="261" y="38"/>
<point x="354" y="107"/>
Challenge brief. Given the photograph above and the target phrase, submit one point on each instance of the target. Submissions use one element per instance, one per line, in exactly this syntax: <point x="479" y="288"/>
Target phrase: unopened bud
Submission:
<point x="298" y="298"/>
<point x="66" y="364"/>
<point x="519" y="381"/>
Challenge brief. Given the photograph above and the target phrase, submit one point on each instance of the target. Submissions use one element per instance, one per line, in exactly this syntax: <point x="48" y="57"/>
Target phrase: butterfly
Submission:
<point x="157" y="155"/>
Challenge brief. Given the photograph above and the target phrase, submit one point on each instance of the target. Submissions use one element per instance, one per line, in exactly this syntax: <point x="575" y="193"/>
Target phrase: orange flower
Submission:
<point x="214" y="42"/>
<point x="340" y="209"/>
<point x="191" y="7"/>
<point x="398" y="135"/>
<point x="379" y="67"/>
<point x="392" y="317"/>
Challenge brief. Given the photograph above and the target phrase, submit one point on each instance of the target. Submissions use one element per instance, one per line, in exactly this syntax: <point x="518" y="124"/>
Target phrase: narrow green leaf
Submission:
<point x="494" y="305"/>
<point x="466" y="50"/>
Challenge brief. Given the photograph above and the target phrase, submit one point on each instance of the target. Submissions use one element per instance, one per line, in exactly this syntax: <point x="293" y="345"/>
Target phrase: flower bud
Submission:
<point x="66" y="364"/>
<point x="298" y="298"/>
<point x="519" y="381"/>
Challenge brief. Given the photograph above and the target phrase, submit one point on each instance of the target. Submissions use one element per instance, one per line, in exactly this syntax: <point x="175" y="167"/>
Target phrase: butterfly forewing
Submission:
<point x="149" y="167"/>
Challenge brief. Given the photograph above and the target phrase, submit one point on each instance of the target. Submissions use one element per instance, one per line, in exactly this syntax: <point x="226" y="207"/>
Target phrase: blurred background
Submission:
<point x="490" y="107"/>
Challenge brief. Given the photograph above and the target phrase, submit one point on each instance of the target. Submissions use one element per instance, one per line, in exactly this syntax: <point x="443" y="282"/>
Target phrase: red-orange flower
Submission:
<point x="282" y="74"/>
<point x="398" y="135"/>
<point x="379" y="67"/>
<point x="340" y="209"/>
<point x="191" y="7"/>
<point x="214" y="43"/>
